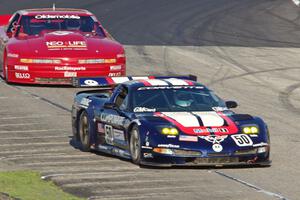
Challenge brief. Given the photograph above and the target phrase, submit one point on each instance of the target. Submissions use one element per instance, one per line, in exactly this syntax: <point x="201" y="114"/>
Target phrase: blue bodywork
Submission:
<point x="110" y="128"/>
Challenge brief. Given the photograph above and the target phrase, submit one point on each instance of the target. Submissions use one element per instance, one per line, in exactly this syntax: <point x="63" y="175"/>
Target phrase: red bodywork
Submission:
<point x="55" y="56"/>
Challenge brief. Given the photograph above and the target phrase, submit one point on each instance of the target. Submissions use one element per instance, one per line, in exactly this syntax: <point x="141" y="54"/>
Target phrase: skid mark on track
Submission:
<point x="284" y="98"/>
<point x="28" y="117"/>
<point x="258" y="189"/>
<point x="103" y="170"/>
<point x="19" y="124"/>
<point x="32" y="131"/>
<point x="52" y="103"/>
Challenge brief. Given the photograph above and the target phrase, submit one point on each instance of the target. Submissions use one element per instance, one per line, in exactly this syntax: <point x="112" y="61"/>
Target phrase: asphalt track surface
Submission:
<point x="246" y="50"/>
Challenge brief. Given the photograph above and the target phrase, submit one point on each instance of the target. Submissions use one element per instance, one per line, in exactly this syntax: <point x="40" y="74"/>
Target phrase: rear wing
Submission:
<point x="4" y="19"/>
<point x="107" y="81"/>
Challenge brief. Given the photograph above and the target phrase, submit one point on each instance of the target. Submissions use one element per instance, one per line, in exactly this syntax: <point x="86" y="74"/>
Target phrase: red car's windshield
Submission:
<point x="34" y="25"/>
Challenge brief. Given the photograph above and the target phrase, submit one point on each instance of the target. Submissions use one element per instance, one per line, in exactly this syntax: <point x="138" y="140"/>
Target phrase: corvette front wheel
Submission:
<point x="135" y="146"/>
<point x="84" y="133"/>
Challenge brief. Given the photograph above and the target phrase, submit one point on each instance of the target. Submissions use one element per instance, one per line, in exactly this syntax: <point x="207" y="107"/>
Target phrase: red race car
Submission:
<point x="51" y="46"/>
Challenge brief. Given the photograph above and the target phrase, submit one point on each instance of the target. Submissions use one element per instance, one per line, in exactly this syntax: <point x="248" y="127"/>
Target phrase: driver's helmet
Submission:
<point x="72" y="24"/>
<point x="183" y="99"/>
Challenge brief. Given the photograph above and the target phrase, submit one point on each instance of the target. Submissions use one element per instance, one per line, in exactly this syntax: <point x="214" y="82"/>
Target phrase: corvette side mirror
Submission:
<point x="231" y="104"/>
<point x="109" y="105"/>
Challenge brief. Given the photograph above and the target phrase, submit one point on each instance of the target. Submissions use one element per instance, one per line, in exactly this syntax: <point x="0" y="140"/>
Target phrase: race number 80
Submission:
<point x="242" y="140"/>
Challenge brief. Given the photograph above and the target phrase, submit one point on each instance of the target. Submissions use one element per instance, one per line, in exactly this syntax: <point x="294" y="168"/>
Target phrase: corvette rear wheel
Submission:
<point x="84" y="133"/>
<point x="135" y="146"/>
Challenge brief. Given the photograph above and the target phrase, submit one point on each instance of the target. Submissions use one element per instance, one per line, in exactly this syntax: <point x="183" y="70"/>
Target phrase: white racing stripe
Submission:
<point x="155" y="82"/>
<point x="184" y="118"/>
<point x="210" y="118"/>
<point x="175" y="81"/>
<point x="120" y="79"/>
<point x="140" y="78"/>
<point x="187" y="119"/>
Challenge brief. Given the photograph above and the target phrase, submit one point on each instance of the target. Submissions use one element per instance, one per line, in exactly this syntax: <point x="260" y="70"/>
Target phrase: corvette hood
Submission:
<point x="68" y="44"/>
<point x="197" y="123"/>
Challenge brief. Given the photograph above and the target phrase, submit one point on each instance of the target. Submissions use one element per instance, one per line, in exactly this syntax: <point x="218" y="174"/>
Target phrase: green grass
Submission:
<point x="27" y="185"/>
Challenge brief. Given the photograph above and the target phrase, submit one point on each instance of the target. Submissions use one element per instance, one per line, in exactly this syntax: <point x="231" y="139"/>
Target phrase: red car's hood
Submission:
<point x="68" y="44"/>
<point x="200" y="123"/>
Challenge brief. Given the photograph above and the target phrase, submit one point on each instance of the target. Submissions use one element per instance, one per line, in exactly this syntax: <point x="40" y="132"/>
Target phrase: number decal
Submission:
<point x="108" y="134"/>
<point x="242" y="140"/>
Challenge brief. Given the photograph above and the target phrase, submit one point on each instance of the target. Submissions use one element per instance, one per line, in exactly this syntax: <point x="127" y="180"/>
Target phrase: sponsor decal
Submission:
<point x="210" y="130"/>
<point x="67" y="68"/>
<point x="70" y="74"/>
<point x="260" y="144"/>
<point x="168" y="145"/>
<point x="102" y="147"/>
<point x="21" y="67"/>
<point x="167" y="87"/>
<point x="215" y="139"/>
<point x="66" y="44"/>
<point x="171" y="136"/>
<point x="13" y="55"/>
<point x="144" y="109"/>
<point x="109" y="138"/>
<point x="219" y="109"/>
<point x="120" y="152"/>
<point x="91" y="82"/>
<point x="57" y="17"/>
<point x="116" y="67"/>
<point x="85" y="102"/>
<point x="112" y="119"/>
<point x="148" y="155"/>
<point x="100" y="128"/>
<point x="118" y="135"/>
<point x="217" y="147"/>
<point x="60" y="32"/>
<point x="115" y="74"/>
<point x="22" y="75"/>
<point x="146" y="147"/>
<point x="188" y="138"/>
<point x="242" y="140"/>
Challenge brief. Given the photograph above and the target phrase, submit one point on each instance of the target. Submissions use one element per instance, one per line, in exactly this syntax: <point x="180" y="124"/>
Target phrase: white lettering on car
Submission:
<point x="70" y="74"/>
<point x="57" y="17"/>
<point x="143" y="109"/>
<point x="21" y="67"/>
<point x="22" y="75"/>
<point x="242" y="140"/>
<point x="67" y="68"/>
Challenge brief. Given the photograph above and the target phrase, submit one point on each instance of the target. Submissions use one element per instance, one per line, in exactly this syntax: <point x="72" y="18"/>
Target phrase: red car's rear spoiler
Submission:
<point x="4" y="19"/>
<point x="106" y="81"/>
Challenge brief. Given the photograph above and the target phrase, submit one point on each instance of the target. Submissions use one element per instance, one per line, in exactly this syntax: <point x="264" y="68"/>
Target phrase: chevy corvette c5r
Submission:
<point x="50" y="46"/>
<point x="166" y="121"/>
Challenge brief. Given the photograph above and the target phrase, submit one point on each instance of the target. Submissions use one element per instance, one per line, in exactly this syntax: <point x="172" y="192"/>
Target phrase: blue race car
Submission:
<point x="166" y="121"/>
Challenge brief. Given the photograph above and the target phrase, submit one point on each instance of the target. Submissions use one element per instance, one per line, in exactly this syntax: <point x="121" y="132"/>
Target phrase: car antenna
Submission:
<point x="53" y="7"/>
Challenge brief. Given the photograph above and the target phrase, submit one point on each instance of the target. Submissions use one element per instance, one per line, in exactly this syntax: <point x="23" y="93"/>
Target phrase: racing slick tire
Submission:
<point x="135" y="145"/>
<point x="84" y="132"/>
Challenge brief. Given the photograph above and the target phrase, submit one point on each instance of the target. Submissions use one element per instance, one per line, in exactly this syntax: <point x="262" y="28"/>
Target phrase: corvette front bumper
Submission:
<point x="217" y="160"/>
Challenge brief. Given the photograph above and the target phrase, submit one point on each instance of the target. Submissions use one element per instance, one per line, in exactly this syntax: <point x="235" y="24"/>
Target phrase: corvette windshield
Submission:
<point x="175" y="99"/>
<point x="34" y="25"/>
